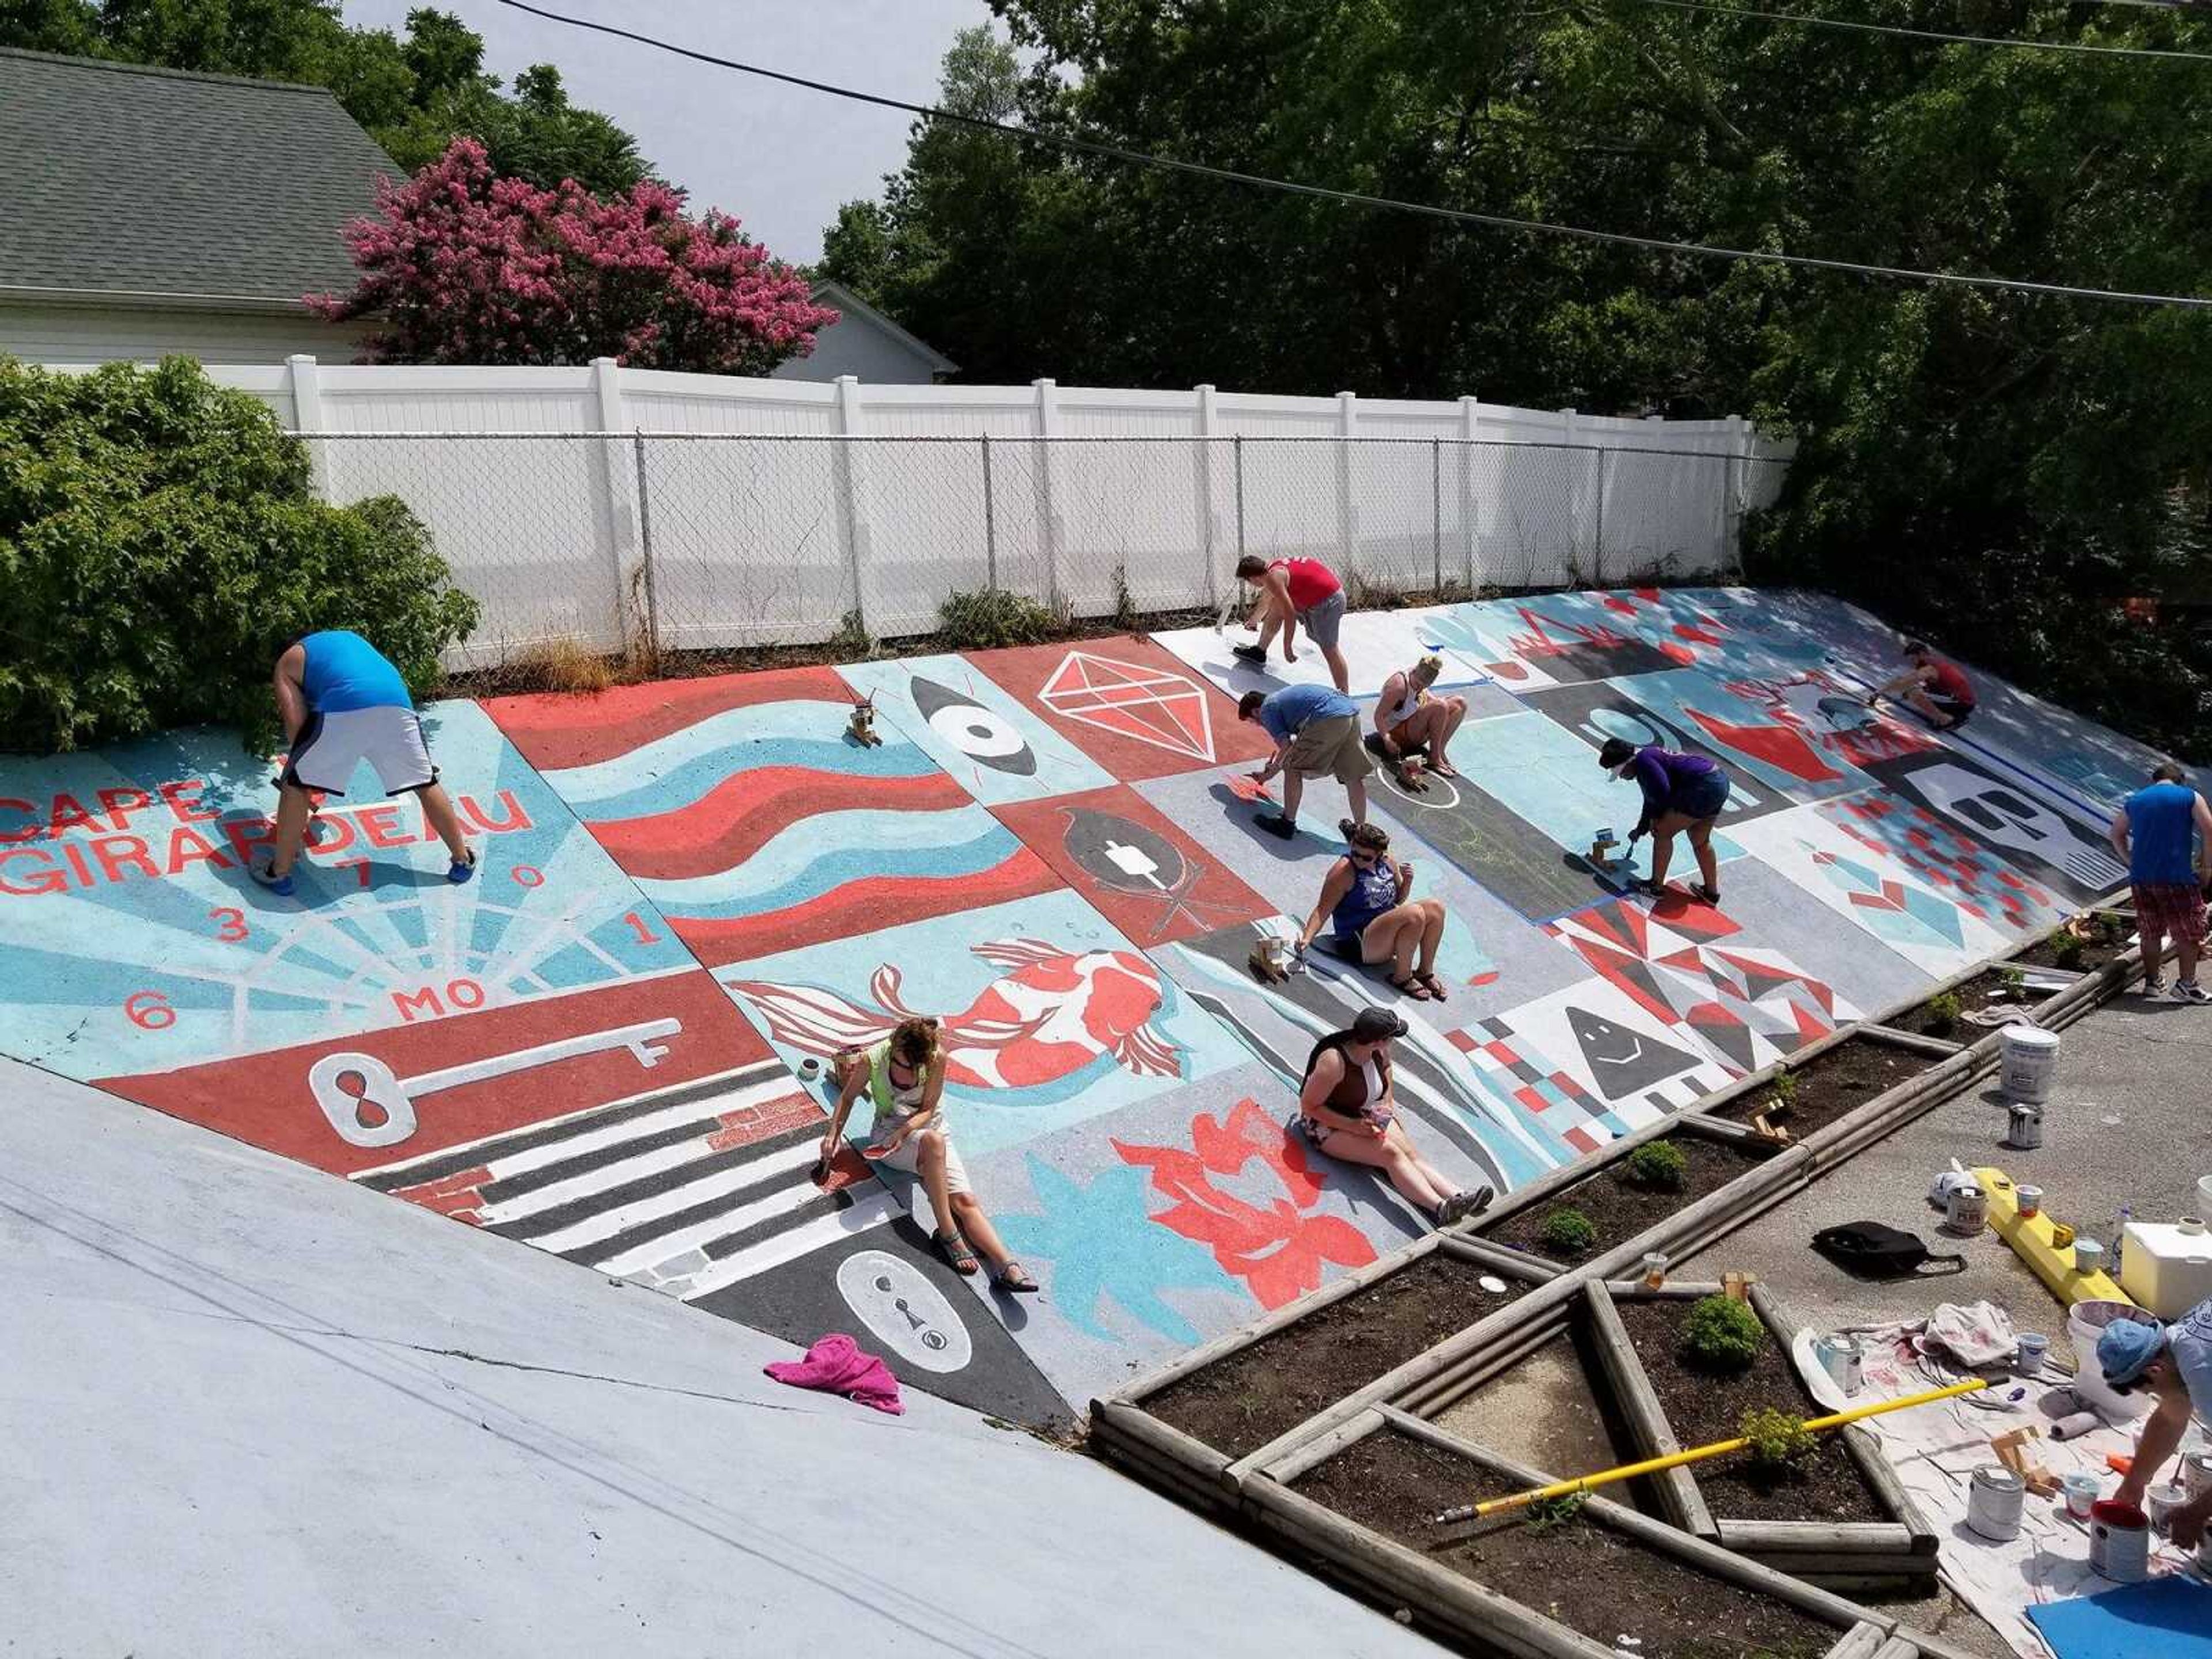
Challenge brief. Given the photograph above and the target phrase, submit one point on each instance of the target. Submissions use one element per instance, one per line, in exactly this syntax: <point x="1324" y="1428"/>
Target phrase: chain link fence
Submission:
<point x="667" y="542"/>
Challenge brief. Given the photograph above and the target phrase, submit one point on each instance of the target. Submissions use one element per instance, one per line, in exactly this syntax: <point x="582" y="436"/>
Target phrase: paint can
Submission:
<point x="809" y="1069"/>
<point x="2196" y="1475"/>
<point x="1966" y="1210"/>
<point x="1654" y="1270"/>
<point x="2089" y="1256"/>
<point x="2160" y="1502"/>
<point x="1601" y="846"/>
<point x="2119" y="1541"/>
<point x="2083" y="1490"/>
<point x="1993" y="1503"/>
<point x="1842" y="1358"/>
<point x="2030" y="1058"/>
<point x="2026" y="1129"/>
<point x="2031" y="1201"/>
<point x="2027" y="1357"/>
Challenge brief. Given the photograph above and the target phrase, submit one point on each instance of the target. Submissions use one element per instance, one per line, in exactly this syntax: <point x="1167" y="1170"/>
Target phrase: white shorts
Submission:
<point x="332" y="746"/>
<point x="908" y="1156"/>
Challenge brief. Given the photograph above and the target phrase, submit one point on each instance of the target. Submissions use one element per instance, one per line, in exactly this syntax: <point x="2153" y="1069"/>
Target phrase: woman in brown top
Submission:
<point x="1347" y="1110"/>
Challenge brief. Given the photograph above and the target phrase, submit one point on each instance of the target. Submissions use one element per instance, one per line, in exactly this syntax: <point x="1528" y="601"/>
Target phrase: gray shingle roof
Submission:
<point x="120" y="178"/>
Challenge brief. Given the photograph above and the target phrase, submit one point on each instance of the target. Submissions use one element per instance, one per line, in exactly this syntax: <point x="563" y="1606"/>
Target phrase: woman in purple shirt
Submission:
<point x="1680" y="792"/>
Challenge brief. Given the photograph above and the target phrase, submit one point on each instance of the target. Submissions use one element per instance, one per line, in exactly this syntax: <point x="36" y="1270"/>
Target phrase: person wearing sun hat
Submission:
<point x="1680" y="792"/>
<point x="2174" y="1362"/>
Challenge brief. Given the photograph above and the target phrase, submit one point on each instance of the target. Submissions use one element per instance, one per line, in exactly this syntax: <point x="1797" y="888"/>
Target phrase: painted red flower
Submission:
<point x="1278" y="1249"/>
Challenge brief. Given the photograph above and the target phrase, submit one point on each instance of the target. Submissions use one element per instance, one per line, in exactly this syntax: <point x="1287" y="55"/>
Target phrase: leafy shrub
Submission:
<point x="1567" y="1231"/>
<point x="851" y="643"/>
<point x="1659" y="1165"/>
<point x="1722" y="1334"/>
<point x="1943" y="1012"/>
<point x="2066" y="948"/>
<point x="1547" y="1513"/>
<point x="560" y="665"/>
<point x="1784" y="1088"/>
<point x="991" y="616"/>
<point x="2013" y="980"/>
<point x="1777" y="1440"/>
<point x="160" y="547"/>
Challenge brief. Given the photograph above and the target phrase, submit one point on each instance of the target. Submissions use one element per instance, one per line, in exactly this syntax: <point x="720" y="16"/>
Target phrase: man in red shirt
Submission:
<point x="1294" y="591"/>
<point x="1931" y="687"/>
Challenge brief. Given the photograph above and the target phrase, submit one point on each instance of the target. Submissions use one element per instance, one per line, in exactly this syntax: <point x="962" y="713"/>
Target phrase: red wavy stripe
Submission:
<point x="860" y="907"/>
<point x="555" y="730"/>
<point x="736" y="819"/>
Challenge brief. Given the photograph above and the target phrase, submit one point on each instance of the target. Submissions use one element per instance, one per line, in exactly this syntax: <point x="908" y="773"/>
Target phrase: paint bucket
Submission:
<point x="2083" y="1490"/>
<point x="2160" y="1502"/>
<point x="1993" y="1503"/>
<point x="1966" y="1210"/>
<point x="2030" y="1058"/>
<point x="2025" y="1130"/>
<point x="2089" y="1256"/>
<point x="2119" y="1541"/>
<point x="2030" y="1200"/>
<point x="2196" y="1475"/>
<point x="1601" y="846"/>
<point x="1842" y="1358"/>
<point x="2027" y="1357"/>
<point x="809" y="1069"/>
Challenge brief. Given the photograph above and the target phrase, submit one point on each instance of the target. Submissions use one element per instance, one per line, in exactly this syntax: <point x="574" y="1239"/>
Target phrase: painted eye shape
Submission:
<point x="981" y="733"/>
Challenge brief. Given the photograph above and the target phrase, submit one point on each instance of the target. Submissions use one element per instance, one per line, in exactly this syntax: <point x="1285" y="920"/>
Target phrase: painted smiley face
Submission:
<point x="982" y="734"/>
<point x="907" y="1314"/>
<point x="1622" y="1061"/>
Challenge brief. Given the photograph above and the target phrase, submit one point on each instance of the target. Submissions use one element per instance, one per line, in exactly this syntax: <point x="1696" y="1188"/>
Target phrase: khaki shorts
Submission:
<point x="1330" y="745"/>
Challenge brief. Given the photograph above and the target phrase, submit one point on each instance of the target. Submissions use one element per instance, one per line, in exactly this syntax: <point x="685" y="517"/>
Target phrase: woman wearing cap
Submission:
<point x="1347" y="1110"/>
<point x="1680" y="792"/>
<point x="2174" y="1362"/>
<point x="1365" y="899"/>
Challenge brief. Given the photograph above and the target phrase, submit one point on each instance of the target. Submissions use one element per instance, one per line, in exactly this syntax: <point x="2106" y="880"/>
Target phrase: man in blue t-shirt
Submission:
<point x="342" y="703"/>
<point x="1316" y="730"/>
<point x="2163" y="834"/>
<point x="2174" y="1362"/>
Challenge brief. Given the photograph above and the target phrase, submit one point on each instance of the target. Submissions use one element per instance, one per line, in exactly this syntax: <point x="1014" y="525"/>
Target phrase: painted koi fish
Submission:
<point x="1050" y="1015"/>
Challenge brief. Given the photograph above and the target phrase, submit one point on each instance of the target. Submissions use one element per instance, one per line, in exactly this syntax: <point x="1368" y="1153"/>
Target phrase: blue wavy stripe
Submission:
<point x="984" y="852"/>
<point x="692" y="781"/>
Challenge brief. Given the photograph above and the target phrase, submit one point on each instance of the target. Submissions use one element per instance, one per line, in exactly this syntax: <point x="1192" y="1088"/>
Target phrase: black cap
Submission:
<point x="1378" y="1024"/>
<point x="1616" y="754"/>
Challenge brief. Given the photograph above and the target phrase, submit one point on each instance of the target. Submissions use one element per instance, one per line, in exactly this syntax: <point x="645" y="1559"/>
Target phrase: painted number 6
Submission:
<point x="150" y="1010"/>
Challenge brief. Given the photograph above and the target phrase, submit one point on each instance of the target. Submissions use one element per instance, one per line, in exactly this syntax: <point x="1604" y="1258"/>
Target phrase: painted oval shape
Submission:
<point x="981" y="734"/>
<point x="907" y="1314"/>
<point x="363" y="1101"/>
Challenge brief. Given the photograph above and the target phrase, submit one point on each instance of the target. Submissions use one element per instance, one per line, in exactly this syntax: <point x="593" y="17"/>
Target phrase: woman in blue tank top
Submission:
<point x="1366" y="902"/>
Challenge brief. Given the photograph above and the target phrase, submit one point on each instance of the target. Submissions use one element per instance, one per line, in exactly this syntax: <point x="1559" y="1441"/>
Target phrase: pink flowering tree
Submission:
<point x="460" y="265"/>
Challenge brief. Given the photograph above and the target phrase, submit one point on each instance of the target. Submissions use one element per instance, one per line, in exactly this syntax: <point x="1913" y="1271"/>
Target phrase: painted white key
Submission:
<point x="379" y="1110"/>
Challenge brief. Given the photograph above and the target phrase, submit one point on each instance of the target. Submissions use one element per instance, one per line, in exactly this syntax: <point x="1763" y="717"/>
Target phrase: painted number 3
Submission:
<point x="150" y="1010"/>
<point x="230" y="925"/>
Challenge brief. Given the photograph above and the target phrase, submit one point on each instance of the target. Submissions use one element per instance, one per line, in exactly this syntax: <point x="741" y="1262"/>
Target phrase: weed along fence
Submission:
<point x="1337" y="1425"/>
<point x="626" y="510"/>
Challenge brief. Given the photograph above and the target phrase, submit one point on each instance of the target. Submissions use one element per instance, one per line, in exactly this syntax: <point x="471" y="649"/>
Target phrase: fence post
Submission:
<point x="1347" y="428"/>
<point x="645" y="553"/>
<point x="614" y="481"/>
<point x="851" y="482"/>
<point x="1204" y="469"/>
<point x="1470" y="429"/>
<point x="1047" y="417"/>
<point x="990" y="523"/>
<point x="1571" y="435"/>
<point x="1601" y="458"/>
<point x="1436" y="515"/>
<point x="307" y="416"/>
<point x="1237" y="444"/>
<point x="1733" y="473"/>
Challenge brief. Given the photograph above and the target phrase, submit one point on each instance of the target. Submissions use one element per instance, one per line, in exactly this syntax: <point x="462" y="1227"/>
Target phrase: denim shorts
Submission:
<point x="1704" y="798"/>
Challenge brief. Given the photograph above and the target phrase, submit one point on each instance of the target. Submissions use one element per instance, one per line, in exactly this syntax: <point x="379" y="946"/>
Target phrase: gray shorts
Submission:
<point x="1325" y="620"/>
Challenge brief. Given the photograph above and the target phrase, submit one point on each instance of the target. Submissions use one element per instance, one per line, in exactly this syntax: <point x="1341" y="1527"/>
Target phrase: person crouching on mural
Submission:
<point x="1294" y="591"/>
<point x="342" y="703"/>
<point x="1409" y="720"/>
<point x="903" y="1077"/>
<point x="1366" y="899"/>
<point x="1931" y="687"/>
<point x="1316" y="730"/>
<point x="1680" y="792"/>
<point x="1347" y="1110"/>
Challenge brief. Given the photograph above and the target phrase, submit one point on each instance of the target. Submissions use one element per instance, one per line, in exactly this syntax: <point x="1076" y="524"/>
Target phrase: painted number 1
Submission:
<point x="230" y="925"/>
<point x="645" y="934"/>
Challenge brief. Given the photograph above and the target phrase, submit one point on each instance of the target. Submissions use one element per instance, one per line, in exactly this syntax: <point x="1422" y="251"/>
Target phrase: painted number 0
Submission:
<point x="150" y="1010"/>
<point x="230" y="924"/>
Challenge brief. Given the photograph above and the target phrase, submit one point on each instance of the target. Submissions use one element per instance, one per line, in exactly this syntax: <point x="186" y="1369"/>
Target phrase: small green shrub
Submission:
<point x="991" y="617"/>
<point x="1777" y="1440"/>
<point x="2013" y="979"/>
<point x="1943" y="1012"/>
<point x="1567" y="1231"/>
<point x="1784" y="1088"/>
<point x="1548" y="1513"/>
<point x="1124" y="603"/>
<point x="2066" y="948"/>
<point x="1660" y="1166"/>
<point x="851" y="642"/>
<point x="161" y="544"/>
<point x="1722" y="1334"/>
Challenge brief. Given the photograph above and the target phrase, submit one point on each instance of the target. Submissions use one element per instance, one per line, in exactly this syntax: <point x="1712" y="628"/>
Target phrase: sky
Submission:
<point x="780" y="158"/>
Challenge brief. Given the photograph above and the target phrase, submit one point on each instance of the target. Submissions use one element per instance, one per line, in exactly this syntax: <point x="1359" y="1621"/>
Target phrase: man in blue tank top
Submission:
<point x="342" y="703"/>
<point x="2164" y="835"/>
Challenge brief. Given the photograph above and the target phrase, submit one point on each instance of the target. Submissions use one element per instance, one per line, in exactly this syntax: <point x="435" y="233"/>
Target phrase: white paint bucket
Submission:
<point x="2030" y="1059"/>
<point x="1966" y="1210"/>
<point x="2027" y="1357"/>
<point x="1993" y="1503"/>
<point x="2119" y="1542"/>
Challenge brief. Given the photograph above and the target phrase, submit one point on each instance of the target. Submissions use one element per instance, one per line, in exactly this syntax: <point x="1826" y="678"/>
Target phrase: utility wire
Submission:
<point x="1457" y="215"/>
<point x="1926" y="34"/>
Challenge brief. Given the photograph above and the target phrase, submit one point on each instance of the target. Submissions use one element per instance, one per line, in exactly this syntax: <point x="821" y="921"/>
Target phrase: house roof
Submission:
<point x="209" y="190"/>
<point x="827" y="293"/>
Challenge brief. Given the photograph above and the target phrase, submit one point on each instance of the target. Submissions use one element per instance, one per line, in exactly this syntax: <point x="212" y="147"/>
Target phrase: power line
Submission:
<point x="1930" y="35"/>
<point x="1457" y="215"/>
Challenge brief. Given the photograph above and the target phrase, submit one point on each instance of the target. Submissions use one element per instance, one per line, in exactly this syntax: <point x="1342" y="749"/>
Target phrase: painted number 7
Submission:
<point x="230" y="925"/>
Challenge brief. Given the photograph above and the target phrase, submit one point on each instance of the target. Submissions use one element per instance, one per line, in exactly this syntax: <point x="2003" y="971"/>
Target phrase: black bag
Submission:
<point x="1869" y="1250"/>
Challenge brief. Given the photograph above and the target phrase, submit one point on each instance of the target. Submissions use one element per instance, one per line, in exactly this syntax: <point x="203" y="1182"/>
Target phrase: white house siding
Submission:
<point x="857" y="345"/>
<point x="101" y="334"/>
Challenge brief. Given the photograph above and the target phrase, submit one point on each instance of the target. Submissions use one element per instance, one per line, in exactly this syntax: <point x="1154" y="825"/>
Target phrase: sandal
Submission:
<point x="1014" y="1280"/>
<point x="1432" y="984"/>
<point x="1410" y="987"/>
<point x="954" y="1248"/>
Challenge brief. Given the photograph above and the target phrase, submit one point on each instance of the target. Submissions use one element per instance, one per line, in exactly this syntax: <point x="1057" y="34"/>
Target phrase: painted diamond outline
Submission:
<point x="1090" y="689"/>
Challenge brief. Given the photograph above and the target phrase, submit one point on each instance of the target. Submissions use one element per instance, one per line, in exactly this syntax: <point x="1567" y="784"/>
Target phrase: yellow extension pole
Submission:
<point x="1652" y="1466"/>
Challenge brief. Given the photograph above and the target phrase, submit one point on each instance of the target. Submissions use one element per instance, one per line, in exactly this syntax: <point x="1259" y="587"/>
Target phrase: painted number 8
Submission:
<point x="150" y="1010"/>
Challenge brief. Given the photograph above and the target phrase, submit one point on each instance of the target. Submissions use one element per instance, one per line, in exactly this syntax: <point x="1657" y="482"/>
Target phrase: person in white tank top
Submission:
<point x="1409" y="719"/>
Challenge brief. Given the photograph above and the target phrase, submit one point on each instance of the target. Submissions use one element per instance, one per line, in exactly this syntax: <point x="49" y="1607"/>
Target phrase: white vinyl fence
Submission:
<point x="617" y="507"/>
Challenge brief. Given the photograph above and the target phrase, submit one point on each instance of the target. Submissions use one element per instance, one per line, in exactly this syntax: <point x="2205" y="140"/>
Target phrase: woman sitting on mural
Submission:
<point x="1680" y="792"/>
<point x="903" y="1077"/>
<point x="1347" y="1110"/>
<point x="1373" y="922"/>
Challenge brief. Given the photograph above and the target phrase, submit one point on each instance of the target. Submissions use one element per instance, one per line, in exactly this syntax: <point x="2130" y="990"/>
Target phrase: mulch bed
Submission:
<point x="1702" y="1407"/>
<point x="1846" y="1077"/>
<point x="1589" y="1578"/>
<point x="1977" y="992"/>
<point x="2095" y="952"/>
<point x="1619" y="1207"/>
<point x="1240" y="1403"/>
